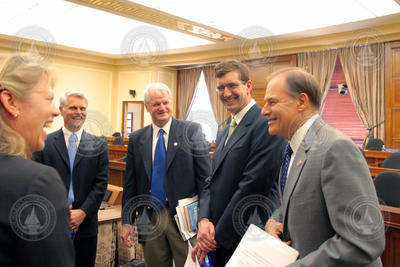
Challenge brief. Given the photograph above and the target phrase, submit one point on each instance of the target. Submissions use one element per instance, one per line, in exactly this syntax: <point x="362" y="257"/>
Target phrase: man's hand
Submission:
<point x="275" y="229"/>
<point x="127" y="235"/>
<point x="199" y="254"/>
<point x="77" y="217"/>
<point x="206" y="235"/>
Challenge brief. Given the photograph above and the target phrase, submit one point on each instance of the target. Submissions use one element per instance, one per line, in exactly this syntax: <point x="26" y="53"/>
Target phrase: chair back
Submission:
<point x="387" y="185"/>
<point x="392" y="161"/>
<point x="375" y="144"/>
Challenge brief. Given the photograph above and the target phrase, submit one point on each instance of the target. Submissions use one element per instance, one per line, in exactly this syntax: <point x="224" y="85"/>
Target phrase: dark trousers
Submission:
<point x="222" y="255"/>
<point x="85" y="250"/>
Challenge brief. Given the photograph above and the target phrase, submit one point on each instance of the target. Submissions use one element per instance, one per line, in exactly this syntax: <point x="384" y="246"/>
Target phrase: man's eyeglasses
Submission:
<point x="230" y="86"/>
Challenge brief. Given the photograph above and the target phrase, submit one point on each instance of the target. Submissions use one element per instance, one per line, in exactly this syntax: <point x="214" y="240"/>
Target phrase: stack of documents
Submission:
<point x="258" y="248"/>
<point x="186" y="216"/>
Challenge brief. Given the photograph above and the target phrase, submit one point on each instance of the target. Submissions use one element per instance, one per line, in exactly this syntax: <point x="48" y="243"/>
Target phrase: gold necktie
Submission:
<point x="232" y="127"/>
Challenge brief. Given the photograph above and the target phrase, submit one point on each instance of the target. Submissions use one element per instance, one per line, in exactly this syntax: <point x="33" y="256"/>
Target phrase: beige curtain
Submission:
<point x="217" y="107"/>
<point x="321" y="64"/>
<point x="364" y="70"/>
<point x="188" y="79"/>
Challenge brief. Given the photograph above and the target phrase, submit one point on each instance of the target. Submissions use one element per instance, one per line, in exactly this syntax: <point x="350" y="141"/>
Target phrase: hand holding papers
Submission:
<point x="186" y="216"/>
<point x="258" y="248"/>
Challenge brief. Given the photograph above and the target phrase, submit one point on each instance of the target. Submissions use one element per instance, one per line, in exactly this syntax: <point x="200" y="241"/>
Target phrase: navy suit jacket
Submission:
<point x="90" y="173"/>
<point x="187" y="172"/>
<point x="247" y="166"/>
<point x="20" y="178"/>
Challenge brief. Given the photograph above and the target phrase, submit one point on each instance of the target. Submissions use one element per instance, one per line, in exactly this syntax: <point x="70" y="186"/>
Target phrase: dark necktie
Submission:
<point x="158" y="173"/>
<point x="285" y="166"/>
<point x="72" y="148"/>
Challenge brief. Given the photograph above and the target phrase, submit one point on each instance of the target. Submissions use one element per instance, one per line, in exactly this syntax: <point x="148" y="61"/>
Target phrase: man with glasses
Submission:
<point x="246" y="164"/>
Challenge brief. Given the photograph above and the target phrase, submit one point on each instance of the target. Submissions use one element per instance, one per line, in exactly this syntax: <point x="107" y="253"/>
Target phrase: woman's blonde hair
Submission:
<point x="19" y="74"/>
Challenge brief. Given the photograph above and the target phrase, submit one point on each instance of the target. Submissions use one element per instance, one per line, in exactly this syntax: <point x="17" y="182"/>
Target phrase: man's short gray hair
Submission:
<point x="76" y="93"/>
<point x="160" y="89"/>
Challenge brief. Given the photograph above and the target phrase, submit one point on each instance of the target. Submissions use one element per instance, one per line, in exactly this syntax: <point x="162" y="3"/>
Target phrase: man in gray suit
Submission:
<point x="329" y="210"/>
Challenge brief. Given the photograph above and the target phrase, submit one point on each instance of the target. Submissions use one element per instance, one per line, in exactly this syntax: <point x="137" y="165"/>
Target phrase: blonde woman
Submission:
<point x="34" y="216"/>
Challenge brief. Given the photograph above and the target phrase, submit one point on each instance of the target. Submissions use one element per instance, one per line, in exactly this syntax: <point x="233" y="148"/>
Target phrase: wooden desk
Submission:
<point x="391" y="254"/>
<point x="109" y="242"/>
<point x="375" y="158"/>
<point x="117" y="152"/>
<point x="112" y="214"/>
<point x="377" y="170"/>
<point x="117" y="173"/>
<point x="110" y="139"/>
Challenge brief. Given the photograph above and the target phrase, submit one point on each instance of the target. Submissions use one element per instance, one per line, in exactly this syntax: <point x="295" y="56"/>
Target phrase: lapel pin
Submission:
<point x="175" y="143"/>
<point x="299" y="162"/>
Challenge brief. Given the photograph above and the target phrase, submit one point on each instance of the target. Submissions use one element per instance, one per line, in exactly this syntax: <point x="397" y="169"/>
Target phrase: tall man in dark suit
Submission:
<point x="166" y="161"/>
<point x="329" y="211"/>
<point x="245" y="164"/>
<point x="81" y="159"/>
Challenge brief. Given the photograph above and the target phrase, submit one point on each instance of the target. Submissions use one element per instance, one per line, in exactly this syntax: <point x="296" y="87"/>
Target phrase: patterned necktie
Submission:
<point x="72" y="148"/>
<point x="158" y="173"/>
<point x="285" y="166"/>
<point x="232" y="127"/>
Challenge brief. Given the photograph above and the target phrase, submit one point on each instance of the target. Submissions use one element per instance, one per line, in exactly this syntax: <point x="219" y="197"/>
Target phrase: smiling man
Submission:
<point x="245" y="164"/>
<point x="329" y="210"/>
<point x="81" y="159"/>
<point x="164" y="164"/>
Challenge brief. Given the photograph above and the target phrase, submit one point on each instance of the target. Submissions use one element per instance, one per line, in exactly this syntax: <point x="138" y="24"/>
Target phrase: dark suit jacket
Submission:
<point x="90" y="173"/>
<point x="248" y="165"/>
<point x="18" y="178"/>
<point x="188" y="165"/>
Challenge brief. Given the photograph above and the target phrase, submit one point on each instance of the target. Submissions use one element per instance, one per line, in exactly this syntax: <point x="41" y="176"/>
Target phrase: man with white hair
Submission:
<point x="81" y="159"/>
<point x="166" y="161"/>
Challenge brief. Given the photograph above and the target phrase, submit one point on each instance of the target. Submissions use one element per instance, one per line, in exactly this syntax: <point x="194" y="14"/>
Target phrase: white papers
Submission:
<point x="181" y="219"/>
<point x="258" y="248"/>
<point x="189" y="262"/>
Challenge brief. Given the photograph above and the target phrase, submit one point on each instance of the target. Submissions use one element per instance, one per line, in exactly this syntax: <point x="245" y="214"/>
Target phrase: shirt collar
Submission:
<point x="67" y="133"/>
<point x="298" y="136"/>
<point x="239" y="116"/>
<point x="166" y="128"/>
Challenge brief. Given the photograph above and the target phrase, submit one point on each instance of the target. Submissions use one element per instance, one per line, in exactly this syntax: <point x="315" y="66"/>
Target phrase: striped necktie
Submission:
<point x="285" y="166"/>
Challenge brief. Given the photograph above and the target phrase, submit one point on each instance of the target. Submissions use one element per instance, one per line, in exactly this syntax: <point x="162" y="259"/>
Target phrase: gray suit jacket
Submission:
<point x="329" y="209"/>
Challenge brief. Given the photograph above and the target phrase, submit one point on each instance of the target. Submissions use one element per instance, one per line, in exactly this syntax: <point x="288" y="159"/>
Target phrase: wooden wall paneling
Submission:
<point x="259" y="74"/>
<point x="391" y="254"/>
<point x="392" y="94"/>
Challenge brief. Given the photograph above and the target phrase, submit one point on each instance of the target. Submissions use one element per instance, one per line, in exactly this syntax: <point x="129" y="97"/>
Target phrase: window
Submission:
<point x="129" y="122"/>
<point x="201" y="111"/>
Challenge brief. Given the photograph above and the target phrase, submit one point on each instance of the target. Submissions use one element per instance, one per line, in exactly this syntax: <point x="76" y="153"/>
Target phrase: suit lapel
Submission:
<point x="173" y="144"/>
<point x="146" y="145"/>
<point x="61" y="147"/>
<point x="299" y="162"/>
<point x="80" y="152"/>
<point x="222" y="150"/>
